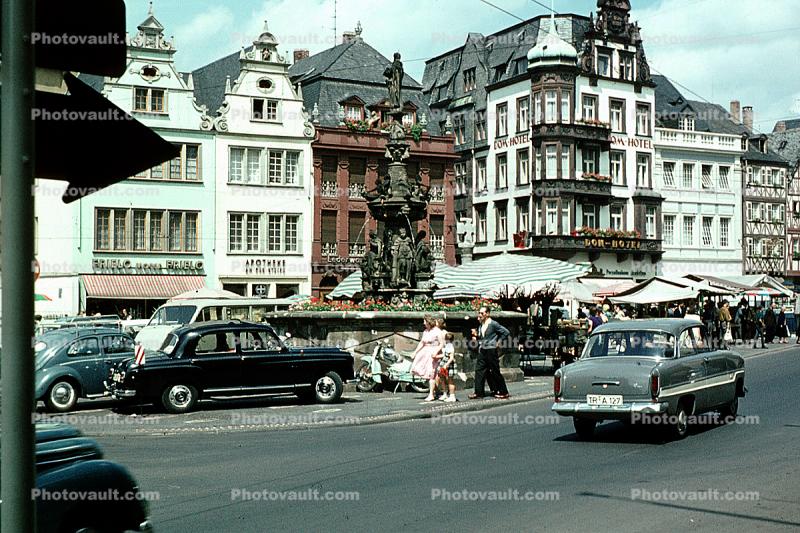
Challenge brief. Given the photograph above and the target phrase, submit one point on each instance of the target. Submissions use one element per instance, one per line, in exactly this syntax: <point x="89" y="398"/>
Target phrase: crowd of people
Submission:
<point x="725" y="324"/>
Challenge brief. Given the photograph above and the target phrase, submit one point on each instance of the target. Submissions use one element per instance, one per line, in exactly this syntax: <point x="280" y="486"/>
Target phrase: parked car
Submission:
<point x="230" y="358"/>
<point x="68" y="461"/>
<point x="659" y="370"/>
<point x="74" y="362"/>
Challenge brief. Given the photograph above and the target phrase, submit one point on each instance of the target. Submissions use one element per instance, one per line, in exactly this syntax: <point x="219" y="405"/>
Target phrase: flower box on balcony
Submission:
<point x="519" y="239"/>
<point x="594" y="122"/>
<point x="596" y="177"/>
<point x="613" y="233"/>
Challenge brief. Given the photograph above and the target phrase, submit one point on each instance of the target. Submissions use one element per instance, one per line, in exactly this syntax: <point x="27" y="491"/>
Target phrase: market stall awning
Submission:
<point x="655" y="290"/>
<point x="506" y="271"/>
<point x="761" y="281"/>
<point x="138" y="287"/>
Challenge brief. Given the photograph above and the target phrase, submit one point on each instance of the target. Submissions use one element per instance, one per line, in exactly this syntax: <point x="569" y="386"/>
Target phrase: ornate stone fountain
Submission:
<point x="398" y="265"/>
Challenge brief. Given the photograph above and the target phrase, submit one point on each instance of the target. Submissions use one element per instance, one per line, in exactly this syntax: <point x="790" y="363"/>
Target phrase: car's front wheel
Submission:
<point x="584" y="427"/>
<point x="328" y="388"/>
<point x="61" y="396"/>
<point x="179" y="398"/>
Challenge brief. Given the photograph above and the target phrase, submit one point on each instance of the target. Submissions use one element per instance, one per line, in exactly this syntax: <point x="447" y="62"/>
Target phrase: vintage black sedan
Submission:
<point x="661" y="372"/>
<point x="230" y="358"/>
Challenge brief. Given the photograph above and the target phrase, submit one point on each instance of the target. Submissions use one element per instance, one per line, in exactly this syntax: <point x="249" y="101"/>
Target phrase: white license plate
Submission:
<point x="604" y="399"/>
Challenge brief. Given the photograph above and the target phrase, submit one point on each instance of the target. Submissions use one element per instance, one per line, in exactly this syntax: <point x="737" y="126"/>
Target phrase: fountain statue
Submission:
<point x="397" y="266"/>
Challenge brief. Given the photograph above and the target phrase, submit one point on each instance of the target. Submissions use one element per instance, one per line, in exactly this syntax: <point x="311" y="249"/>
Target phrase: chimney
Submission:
<point x="780" y="127"/>
<point x="747" y="117"/>
<point x="348" y="37"/>
<point x="300" y="54"/>
<point x="736" y="111"/>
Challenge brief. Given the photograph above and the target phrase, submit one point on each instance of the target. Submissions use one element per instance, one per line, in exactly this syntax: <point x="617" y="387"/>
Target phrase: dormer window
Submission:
<point x="408" y="119"/>
<point x="499" y="71"/>
<point x="469" y="80"/>
<point x="353" y="112"/>
<point x="264" y="109"/>
<point x="604" y="64"/>
<point x="686" y="123"/>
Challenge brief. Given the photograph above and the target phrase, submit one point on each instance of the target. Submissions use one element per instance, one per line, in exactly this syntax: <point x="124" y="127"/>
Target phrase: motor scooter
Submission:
<point x="372" y="376"/>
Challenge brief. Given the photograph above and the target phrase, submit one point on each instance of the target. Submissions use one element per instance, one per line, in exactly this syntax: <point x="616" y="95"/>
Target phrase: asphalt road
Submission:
<point x="426" y="475"/>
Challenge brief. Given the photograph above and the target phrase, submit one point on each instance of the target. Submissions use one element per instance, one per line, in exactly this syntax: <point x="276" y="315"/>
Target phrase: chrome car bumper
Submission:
<point x="609" y="411"/>
<point x="123" y="393"/>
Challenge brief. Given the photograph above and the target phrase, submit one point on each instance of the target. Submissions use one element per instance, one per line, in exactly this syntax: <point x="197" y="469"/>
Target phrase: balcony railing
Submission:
<point x="329" y="248"/>
<point x="580" y="243"/>
<point x="328" y="189"/>
<point x="580" y="186"/>
<point x="699" y="140"/>
<point x="356" y="190"/>
<point x="356" y="249"/>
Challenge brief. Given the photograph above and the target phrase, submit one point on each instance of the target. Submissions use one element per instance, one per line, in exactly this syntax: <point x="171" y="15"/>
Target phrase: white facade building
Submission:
<point x="264" y="172"/>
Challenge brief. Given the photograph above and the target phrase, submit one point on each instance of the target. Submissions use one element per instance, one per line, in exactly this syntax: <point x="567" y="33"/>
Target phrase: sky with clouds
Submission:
<point x="720" y="49"/>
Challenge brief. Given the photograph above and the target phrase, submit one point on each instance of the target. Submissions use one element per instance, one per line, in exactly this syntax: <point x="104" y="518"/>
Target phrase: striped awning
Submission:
<point x="139" y="287"/>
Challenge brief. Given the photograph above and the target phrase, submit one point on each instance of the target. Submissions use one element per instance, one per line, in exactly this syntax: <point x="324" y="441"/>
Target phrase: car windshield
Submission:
<point x="637" y="343"/>
<point x="168" y="347"/>
<point x="173" y="315"/>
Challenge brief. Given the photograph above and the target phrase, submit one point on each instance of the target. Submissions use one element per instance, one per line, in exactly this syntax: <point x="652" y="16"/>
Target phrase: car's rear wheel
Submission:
<point x="61" y="396"/>
<point x="328" y="388"/>
<point x="729" y="411"/>
<point x="584" y="427"/>
<point x="179" y="398"/>
<point x="679" y="427"/>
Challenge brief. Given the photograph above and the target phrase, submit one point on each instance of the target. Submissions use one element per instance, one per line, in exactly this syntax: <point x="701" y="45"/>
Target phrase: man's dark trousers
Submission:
<point x="487" y="370"/>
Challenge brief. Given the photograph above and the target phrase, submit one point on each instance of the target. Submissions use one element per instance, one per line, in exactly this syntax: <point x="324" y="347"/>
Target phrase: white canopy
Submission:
<point x="656" y="290"/>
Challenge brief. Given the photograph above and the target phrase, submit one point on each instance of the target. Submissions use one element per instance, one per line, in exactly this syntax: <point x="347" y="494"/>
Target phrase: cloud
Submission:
<point x="209" y="24"/>
<point x="727" y="51"/>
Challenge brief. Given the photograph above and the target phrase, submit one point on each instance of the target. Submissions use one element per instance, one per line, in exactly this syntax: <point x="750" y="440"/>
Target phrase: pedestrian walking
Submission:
<point x="710" y="315"/>
<point x="724" y="324"/>
<point x="447" y="370"/>
<point x="490" y="336"/>
<point x="430" y="345"/>
<point x="781" y="329"/>
<point x="759" y="326"/>
<point x="769" y="323"/>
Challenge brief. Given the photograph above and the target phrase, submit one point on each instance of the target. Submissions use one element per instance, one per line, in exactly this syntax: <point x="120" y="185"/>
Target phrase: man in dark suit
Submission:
<point x="490" y="336"/>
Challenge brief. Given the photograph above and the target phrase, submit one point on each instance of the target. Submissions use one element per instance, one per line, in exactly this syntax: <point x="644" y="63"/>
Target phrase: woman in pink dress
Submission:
<point x="430" y="345"/>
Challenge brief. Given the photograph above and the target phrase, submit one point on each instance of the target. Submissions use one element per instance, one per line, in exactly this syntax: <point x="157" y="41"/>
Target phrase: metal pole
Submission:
<point x="16" y="224"/>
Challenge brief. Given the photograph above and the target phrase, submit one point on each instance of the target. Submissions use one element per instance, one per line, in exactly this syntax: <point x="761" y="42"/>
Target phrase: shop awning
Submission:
<point x="139" y="287"/>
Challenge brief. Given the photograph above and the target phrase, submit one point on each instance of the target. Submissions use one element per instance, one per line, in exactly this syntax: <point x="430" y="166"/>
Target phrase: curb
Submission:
<point x="467" y="406"/>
